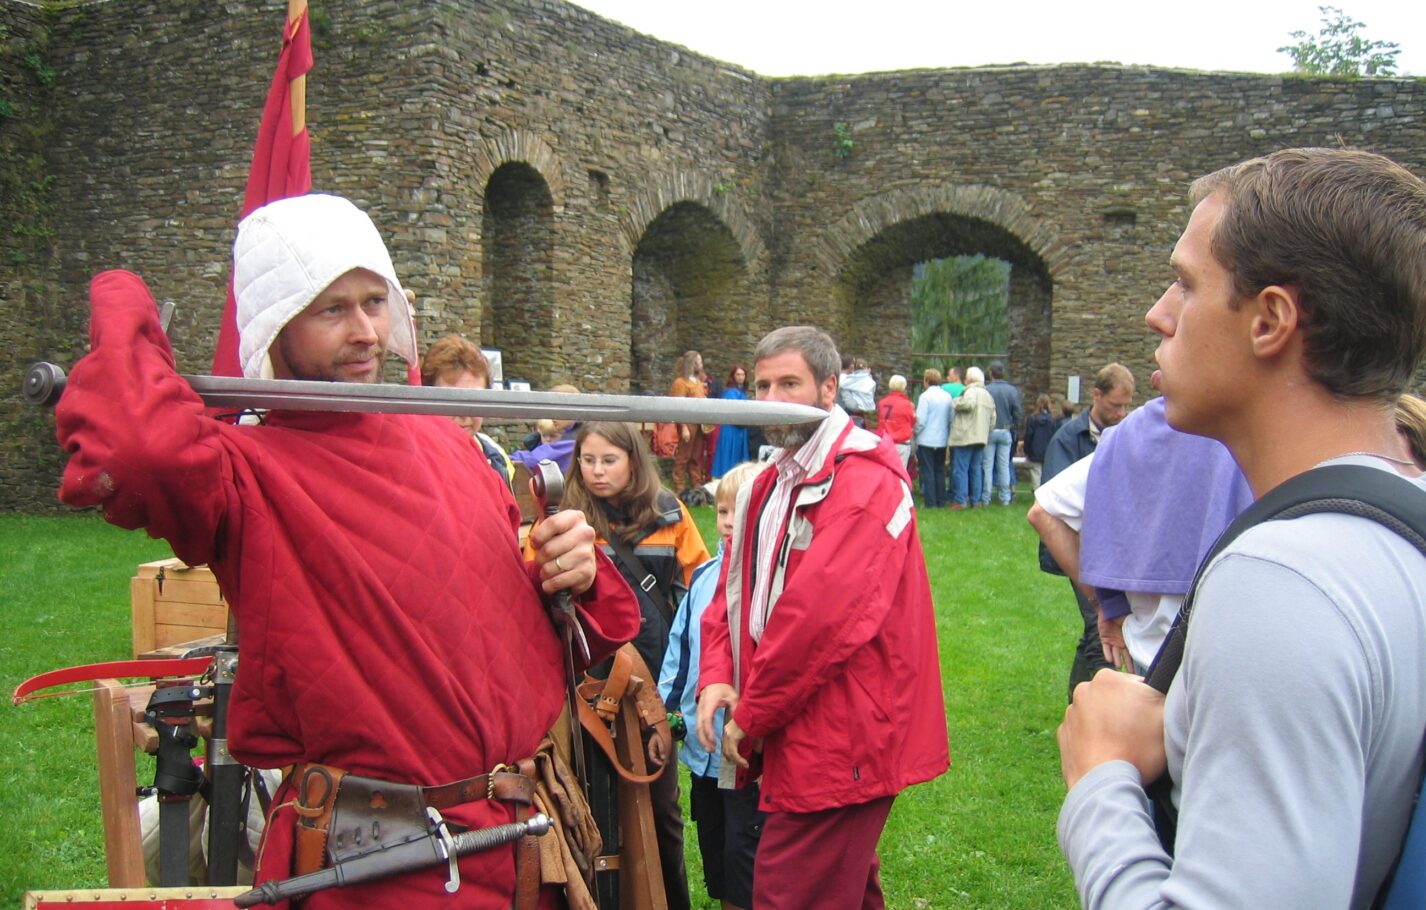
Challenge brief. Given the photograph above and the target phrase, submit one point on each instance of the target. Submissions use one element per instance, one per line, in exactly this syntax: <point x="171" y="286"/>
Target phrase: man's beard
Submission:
<point x="790" y="436"/>
<point x="329" y="372"/>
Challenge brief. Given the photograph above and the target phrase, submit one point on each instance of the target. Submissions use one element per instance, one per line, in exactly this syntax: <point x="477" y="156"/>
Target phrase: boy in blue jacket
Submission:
<point x="728" y="820"/>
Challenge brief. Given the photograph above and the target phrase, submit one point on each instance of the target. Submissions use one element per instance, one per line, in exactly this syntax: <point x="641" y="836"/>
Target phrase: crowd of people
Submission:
<point x="375" y="566"/>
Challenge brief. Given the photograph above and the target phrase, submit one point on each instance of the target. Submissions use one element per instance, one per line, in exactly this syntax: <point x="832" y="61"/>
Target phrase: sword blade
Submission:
<point x="298" y="395"/>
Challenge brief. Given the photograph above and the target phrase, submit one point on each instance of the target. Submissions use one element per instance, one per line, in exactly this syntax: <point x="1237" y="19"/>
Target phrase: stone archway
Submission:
<point x="671" y="189"/>
<point x="690" y="292"/>
<point x="873" y="249"/>
<point x="518" y="309"/>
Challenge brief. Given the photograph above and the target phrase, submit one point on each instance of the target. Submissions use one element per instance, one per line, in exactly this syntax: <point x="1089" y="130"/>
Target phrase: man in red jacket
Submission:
<point x="391" y="627"/>
<point x="821" y="642"/>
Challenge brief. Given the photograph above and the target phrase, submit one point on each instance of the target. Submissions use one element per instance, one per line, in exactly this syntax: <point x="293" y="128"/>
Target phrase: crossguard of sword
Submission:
<point x="547" y="485"/>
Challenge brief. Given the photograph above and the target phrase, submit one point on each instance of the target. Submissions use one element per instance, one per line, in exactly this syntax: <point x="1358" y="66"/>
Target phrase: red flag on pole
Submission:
<point x="282" y="158"/>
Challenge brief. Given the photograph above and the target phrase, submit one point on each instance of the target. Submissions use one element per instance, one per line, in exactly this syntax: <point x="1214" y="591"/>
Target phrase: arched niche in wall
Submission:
<point x="518" y="310"/>
<point x="873" y="250"/>
<point x="690" y="292"/>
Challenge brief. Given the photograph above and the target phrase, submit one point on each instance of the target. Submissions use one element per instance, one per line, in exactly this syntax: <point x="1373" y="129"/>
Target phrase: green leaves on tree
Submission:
<point x="1338" y="49"/>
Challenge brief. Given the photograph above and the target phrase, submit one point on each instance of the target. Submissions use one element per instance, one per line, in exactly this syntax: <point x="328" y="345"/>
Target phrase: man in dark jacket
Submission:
<point x="1000" y="449"/>
<point x="1113" y="391"/>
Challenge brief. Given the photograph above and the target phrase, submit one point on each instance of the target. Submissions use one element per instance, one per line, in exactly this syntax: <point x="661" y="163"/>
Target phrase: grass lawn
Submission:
<point x="981" y="835"/>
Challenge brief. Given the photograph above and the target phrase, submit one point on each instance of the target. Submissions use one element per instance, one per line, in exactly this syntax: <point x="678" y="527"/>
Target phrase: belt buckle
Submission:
<point x="490" y="779"/>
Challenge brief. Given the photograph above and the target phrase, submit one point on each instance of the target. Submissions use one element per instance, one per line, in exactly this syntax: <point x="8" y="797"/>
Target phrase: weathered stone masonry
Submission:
<point x="595" y="201"/>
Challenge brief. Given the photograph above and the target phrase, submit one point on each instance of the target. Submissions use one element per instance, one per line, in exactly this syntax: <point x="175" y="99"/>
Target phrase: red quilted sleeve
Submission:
<point x="138" y="439"/>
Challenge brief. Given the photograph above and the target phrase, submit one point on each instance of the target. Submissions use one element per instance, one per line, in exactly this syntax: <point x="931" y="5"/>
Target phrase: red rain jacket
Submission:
<point x="845" y="686"/>
<point x="896" y="417"/>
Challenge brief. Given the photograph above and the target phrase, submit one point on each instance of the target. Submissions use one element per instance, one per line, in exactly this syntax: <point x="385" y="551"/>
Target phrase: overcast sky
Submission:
<point x="800" y="37"/>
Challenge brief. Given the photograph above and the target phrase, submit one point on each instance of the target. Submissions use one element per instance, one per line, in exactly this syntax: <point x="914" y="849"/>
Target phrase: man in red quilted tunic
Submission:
<point x="390" y="624"/>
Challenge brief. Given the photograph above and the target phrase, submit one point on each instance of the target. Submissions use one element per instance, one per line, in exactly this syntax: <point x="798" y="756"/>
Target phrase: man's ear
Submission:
<point x="1276" y="314"/>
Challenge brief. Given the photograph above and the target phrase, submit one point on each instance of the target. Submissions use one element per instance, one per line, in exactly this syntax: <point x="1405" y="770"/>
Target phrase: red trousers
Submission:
<point x="688" y="460"/>
<point x="824" y="860"/>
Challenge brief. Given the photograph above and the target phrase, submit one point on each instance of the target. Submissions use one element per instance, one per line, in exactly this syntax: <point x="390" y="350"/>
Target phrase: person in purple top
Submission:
<point x="1130" y="522"/>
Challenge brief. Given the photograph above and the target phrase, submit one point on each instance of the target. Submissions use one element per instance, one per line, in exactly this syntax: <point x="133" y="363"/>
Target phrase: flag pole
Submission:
<point x="297" y="91"/>
<point x="281" y="155"/>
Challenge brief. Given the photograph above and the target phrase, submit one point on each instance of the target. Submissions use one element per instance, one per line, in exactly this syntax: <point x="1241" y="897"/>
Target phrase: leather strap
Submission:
<point x="317" y="787"/>
<point x="648" y="582"/>
<point x="645" y="701"/>
<point x="509" y="786"/>
<point x="606" y="694"/>
<point x="600" y="733"/>
<point x="527" y="861"/>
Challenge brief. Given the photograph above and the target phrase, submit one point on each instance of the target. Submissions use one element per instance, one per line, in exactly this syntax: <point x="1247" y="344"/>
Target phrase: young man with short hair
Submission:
<point x="1293" y="729"/>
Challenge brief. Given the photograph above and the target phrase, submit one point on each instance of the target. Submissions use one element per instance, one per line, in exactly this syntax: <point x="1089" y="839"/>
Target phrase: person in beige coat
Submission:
<point x="970" y="430"/>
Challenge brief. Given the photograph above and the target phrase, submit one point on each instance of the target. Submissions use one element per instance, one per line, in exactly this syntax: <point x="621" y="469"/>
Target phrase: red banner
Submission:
<point x="281" y="161"/>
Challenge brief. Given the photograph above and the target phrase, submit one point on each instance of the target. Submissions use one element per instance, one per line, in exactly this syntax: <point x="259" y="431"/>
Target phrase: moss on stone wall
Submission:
<point x="665" y="201"/>
<point x="31" y="326"/>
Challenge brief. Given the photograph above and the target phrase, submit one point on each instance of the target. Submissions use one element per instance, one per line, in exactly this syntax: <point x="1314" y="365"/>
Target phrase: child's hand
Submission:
<point x="657" y="755"/>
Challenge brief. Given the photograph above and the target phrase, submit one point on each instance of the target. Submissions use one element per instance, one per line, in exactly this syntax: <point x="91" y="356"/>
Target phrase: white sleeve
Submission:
<point x="1062" y="496"/>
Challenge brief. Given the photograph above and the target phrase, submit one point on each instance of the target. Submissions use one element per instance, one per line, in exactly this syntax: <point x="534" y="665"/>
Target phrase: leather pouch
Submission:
<point x="317" y="787"/>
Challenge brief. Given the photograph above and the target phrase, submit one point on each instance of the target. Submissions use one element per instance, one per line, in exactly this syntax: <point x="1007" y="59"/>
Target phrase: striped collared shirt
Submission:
<point x="792" y="469"/>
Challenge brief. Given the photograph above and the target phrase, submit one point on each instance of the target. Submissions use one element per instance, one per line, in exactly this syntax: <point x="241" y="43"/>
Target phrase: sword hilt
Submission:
<point x="547" y="484"/>
<point x="486" y="838"/>
<point x="352" y="872"/>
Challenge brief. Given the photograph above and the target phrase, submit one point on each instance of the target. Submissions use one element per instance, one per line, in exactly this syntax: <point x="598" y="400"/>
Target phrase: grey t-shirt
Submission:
<point x="1293" y="731"/>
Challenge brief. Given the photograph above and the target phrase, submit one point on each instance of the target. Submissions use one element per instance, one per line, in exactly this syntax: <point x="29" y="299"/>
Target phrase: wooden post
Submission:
<point x="640" y="875"/>
<point x="114" y="745"/>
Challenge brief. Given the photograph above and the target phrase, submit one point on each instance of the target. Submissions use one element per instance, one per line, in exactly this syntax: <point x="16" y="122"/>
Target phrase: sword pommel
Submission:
<point x="43" y="384"/>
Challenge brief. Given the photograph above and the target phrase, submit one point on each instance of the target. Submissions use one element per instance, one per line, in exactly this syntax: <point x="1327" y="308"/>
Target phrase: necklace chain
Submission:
<point x="1392" y="458"/>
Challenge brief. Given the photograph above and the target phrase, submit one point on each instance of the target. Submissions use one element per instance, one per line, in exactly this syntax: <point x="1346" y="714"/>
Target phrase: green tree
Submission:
<point x="1339" y="50"/>
<point x="960" y="305"/>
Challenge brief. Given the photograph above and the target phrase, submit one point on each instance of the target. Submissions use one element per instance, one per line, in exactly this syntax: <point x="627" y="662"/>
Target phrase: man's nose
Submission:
<point x="361" y="327"/>
<point x="1158" y="318"/>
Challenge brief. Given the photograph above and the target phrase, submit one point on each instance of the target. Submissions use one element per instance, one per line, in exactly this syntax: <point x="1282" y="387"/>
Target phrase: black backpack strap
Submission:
<point x="1381" y="496"/>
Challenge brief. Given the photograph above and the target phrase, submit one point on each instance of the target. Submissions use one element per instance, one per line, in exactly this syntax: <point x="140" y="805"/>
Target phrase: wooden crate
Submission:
<point x="194" y="897"/>
<point x="175" y="603"/>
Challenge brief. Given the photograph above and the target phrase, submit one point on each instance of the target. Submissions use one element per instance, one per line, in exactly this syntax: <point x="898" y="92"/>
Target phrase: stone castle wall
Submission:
<point x="595" y="201"/>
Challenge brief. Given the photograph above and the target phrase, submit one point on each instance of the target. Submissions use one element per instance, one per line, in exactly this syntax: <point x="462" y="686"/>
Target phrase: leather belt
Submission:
<point x="510" y="786"/>
<point x="510" y="783"/>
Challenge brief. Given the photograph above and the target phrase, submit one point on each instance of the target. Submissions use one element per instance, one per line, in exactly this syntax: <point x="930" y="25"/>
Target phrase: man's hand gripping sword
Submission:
<point x="547" y="484"/>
